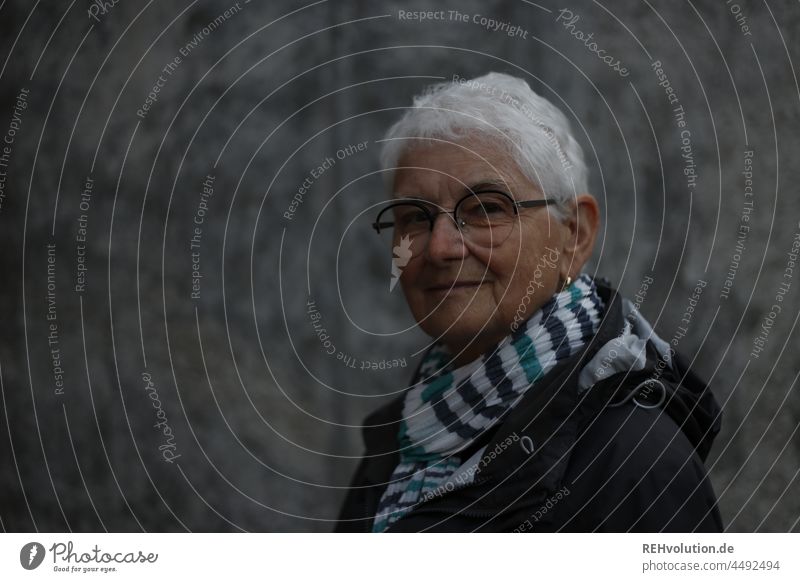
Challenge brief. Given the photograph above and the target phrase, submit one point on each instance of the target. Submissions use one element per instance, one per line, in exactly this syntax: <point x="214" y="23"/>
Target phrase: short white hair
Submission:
<point x="531" y="129"/>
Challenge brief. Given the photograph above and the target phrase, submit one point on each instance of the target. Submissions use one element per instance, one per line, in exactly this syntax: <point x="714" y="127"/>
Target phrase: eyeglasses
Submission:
<point x="485" y="218"/>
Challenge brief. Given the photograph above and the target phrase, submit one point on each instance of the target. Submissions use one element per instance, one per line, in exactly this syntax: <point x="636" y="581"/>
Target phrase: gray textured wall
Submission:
<point x="264" y="420"/>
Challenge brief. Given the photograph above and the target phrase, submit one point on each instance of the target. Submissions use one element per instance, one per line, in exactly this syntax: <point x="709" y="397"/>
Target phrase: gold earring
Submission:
<point x="567" y="283"/>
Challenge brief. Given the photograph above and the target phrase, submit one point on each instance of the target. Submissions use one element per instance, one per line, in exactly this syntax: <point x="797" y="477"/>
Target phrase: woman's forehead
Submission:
<point x="429" y="184"/>
<point x="445" y="172"/>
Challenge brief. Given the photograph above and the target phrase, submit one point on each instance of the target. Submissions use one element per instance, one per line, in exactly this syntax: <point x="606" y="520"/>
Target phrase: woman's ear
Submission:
<point x="582" y="223"/>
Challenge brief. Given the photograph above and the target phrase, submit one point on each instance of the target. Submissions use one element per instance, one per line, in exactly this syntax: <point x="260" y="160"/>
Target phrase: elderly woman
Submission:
<point x="546" y="401"/>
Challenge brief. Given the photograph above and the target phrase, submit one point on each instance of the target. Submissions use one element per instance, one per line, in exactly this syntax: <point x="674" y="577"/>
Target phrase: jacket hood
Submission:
<point x="664" y="376"/>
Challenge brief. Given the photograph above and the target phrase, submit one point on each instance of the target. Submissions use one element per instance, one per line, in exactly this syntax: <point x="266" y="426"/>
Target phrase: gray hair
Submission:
<point x="531" y="129"/>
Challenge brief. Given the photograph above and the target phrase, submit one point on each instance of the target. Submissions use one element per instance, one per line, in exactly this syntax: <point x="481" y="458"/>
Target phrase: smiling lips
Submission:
<point x="455" y="285"/>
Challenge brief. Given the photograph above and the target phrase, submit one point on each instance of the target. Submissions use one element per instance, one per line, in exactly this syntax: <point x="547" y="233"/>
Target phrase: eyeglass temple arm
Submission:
<point x="379" y="225"/>
<point x="534" y="203"/>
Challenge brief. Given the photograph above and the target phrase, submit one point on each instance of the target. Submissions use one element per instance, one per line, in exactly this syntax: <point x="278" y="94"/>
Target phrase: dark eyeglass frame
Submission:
<point x="424" y="206"/>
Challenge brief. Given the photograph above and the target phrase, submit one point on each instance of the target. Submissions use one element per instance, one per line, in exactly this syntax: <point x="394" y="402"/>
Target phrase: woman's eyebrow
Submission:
<point x="489" y="184"/>
<point x="482" y="185"/>
<point x="416" y="197"/>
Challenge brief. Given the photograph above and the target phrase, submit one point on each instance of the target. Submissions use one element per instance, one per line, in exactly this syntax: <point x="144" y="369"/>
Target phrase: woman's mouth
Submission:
<point x="454" y="286"/>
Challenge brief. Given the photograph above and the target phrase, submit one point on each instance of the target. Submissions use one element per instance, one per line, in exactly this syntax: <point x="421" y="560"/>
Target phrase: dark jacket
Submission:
<point x="625" y="455"/>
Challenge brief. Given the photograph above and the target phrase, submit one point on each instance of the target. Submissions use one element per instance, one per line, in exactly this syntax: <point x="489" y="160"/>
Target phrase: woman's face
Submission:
<point x="466" y="295"/>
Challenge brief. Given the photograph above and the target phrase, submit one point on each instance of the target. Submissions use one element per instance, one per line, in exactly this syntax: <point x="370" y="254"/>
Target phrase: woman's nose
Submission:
<point x="446" y="241"/>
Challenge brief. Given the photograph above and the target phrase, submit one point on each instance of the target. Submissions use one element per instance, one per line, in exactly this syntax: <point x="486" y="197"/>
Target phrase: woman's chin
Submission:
<point x="453" y="332"/>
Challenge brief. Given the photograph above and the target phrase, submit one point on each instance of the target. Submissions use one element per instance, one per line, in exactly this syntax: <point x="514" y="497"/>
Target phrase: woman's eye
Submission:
<point x="486" y="208"/>
<point x="492" y="208"/>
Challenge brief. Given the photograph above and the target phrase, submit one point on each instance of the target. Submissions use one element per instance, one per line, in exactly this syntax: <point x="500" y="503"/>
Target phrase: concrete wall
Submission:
<point x="235" y="380"/>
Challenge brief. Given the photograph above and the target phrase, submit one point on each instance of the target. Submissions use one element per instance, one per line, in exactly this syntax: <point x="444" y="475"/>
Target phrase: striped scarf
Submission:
<point x="447" y="408"/>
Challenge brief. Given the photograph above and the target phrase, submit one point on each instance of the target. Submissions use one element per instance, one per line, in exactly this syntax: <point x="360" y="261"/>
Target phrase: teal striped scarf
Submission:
<point x="447" y="408"/>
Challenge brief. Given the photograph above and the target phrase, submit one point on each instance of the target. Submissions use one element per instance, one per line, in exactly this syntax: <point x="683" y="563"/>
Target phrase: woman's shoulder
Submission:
<point x="633" y="469"/>
<point x="637" y="435"/>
